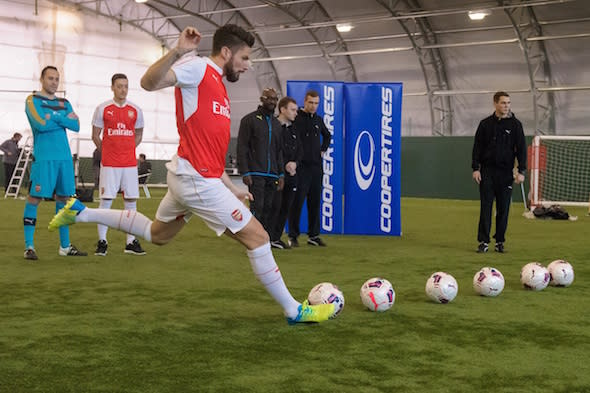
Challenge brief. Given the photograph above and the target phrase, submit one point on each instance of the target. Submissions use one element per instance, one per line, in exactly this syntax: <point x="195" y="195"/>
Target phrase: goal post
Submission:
<point x="560" y="170"/>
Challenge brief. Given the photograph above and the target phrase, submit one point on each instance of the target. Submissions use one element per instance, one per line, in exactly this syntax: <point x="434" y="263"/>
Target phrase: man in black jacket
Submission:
<point x="292" y="154"/>
<point x="315" y="139"/>
<point x="498" y="141"/>
<point x="260" y="156"/>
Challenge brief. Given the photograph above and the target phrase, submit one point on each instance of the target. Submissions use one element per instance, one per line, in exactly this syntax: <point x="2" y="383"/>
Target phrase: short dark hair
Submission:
<point x="141" y="155"/>
<point x="311" y="93"/>
<point x="17" y="134"/>
<point x="500" y="94"/>
<point x="47" y="68"/>
<point x="286" y="101"/>
<point x="117" y="76"/>
<point x="232" y="36"/>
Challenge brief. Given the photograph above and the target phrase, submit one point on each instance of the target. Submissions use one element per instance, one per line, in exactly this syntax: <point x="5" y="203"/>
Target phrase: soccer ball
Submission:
<point x="534" y="276"/>
<point x="377" y="294"/>
<point x="561" y="273"/>
<point x="488" y="282"/>
<point x="326" y="293"/>
<point x="441" y="287"/>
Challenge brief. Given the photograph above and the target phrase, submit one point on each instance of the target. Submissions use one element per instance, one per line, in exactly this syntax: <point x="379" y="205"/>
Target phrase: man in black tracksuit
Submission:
<point x="260" y="156"/>
<point x="292" y="155"/>
<point x="498" y="141"/>
<point x="315" y="139"/>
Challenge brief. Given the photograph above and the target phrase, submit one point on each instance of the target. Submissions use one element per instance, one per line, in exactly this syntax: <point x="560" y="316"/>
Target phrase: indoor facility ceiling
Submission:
<point x="443" y="54"/>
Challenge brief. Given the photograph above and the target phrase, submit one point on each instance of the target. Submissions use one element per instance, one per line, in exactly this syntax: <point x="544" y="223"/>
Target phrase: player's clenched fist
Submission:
<point x="189" y="39"/>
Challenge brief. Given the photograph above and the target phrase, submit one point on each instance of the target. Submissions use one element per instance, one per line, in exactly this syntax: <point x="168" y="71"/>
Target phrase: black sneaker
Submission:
<point x="293" y="242"/>
<point x="101" y="248"/>
<point x="483" y="247"/>
<point x="499" y="248"/>
<point x="285" y="245"/>
<point x="71" y="251"/>
<point x="134" y="248"/>
<point x="30" y="254"/>
<point x="276" y="244"/>
<point x="316" y="241"/>
<point x="280" y="245"/>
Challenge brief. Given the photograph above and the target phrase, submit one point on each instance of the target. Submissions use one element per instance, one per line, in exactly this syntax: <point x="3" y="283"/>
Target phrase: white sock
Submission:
<point x="102" y="229"/>
<point x="130" y="221"/>
<point x="268" y="273"/>
<point x="130" y="205"/>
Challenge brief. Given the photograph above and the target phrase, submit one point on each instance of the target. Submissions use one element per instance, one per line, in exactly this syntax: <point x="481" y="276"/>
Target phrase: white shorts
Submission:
<point x="113" y="179"/>
<point x="208" y="198"/>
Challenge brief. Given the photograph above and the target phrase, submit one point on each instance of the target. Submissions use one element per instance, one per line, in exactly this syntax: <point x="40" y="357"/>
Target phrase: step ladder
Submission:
<point x="20" y="170"/>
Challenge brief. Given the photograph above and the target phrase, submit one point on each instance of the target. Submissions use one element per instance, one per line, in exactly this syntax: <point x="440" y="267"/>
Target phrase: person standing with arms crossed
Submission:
<point x="121" y="124"/>
<point x="11" y="152"/>
<point x="315" y="139"/>
<point x="499" y="140"/>
<point x="292" y="154"/>
<point x="52" y="171"/>
<point x="197" y="182"/>
<point x="260" y="157"/>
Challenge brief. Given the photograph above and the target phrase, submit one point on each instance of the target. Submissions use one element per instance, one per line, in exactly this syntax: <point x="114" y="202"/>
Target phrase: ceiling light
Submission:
<point x="476" y="15"/>
<point x="343" y="27"/>
<point x="141" y="1"/>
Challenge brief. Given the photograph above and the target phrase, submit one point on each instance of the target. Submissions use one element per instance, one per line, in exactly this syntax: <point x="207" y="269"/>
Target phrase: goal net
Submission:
<point x="560" y="170"/>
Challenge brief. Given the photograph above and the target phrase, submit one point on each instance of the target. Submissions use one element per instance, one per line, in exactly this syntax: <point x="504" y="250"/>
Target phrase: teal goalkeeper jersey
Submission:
<point x="49" y="120"/>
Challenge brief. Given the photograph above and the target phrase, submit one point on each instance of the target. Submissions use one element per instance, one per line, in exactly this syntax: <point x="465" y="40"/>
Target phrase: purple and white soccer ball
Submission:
<point x="534" y="276"/>
<point x="561" y="273"/>
<point x="327" y="293"/>
<point x="377" y="294"/>
<point x="441" y="287"/>
<point x="488" y="282"/>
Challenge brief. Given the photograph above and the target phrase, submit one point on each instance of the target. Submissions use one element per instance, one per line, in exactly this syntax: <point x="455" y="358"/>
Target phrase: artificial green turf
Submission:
<point x="190" y="316"/>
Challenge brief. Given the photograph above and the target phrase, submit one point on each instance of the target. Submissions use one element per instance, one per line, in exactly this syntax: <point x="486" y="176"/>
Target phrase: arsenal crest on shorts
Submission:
<point x="237" y="215"/>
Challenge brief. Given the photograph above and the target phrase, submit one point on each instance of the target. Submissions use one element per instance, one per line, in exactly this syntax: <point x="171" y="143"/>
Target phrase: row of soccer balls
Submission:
<point x="377" y="293"/>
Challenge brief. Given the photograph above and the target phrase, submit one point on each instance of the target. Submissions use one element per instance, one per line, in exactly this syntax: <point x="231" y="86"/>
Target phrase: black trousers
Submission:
<point x="264" y="190"/>
<point x="281" y="207"/>
<point x="495" y="184"/>
<point x="309" y="187"/>
<point x="8" y="170"/>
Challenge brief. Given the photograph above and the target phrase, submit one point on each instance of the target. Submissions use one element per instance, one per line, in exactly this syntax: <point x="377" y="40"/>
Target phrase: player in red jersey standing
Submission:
<point x="197" y="182"/>
<point x="121" y="124"/>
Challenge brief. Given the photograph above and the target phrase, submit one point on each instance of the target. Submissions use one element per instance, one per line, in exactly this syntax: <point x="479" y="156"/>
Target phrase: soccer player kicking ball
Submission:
<point x="197" y="182"/>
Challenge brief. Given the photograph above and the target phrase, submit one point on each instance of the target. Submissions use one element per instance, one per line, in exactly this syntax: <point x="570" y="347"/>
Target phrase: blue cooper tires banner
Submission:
<point x="372" y="158"/>
<point x="331" y="109"/>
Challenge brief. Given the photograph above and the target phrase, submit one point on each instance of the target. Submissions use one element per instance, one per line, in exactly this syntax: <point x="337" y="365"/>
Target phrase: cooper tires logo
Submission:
<point x="364" y="172"/>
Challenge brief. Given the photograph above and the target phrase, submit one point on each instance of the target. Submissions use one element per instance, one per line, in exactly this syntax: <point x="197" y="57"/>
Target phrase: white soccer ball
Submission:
<point x="327" y="293"/>
<point x="377" y="294"/>
<point x="561" y="273"/>
<point x="488" y="282"/>
<point x="441" y="287"/>
<point x="534" y="276"/>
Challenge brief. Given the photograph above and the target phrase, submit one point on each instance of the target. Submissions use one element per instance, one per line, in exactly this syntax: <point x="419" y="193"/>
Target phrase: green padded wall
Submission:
<point x="431" y="167"/>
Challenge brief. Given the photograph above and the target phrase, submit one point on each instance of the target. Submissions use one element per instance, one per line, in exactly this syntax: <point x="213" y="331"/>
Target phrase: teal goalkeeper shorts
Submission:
<point x="52" y="177"/>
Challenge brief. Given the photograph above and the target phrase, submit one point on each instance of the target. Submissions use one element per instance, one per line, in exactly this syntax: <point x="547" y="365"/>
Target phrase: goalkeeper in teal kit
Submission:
<point x="52" y="170"/>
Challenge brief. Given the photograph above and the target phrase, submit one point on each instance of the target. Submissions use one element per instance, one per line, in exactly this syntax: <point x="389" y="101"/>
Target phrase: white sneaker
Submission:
<point x="71" y="251"/>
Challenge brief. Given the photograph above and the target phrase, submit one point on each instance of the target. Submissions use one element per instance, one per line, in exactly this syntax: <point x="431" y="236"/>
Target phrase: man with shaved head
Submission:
<point x="260" y="156"/>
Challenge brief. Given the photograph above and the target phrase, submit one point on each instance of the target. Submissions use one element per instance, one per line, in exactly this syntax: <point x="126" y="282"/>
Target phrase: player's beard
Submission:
<point x="230" y="74"/>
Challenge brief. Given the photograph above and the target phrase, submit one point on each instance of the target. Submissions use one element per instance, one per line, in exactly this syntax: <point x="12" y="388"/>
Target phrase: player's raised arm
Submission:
<point x="160" y="75"/>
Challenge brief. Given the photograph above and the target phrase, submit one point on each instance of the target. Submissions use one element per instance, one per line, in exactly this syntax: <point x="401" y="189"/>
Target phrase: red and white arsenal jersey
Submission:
<point x="202" y="114"/>
<point x="118" y="123"/>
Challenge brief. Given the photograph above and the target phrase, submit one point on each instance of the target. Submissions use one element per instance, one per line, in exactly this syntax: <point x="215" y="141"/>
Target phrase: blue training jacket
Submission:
<point x="49" y="120"/>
